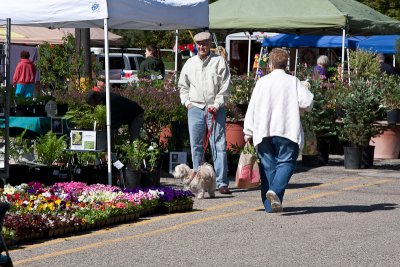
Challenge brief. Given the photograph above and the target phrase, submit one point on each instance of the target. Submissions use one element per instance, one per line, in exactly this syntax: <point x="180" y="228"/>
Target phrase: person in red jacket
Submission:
<point x="24" y="76"/>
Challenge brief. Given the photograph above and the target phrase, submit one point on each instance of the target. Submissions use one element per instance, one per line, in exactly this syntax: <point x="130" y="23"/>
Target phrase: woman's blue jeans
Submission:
<point x="217" y="141"/>
<point x="278" y="157"/>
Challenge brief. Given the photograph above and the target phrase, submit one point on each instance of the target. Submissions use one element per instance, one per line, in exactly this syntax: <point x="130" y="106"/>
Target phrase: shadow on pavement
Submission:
<point x="290" y="186"/>
<point x="289" y="211"/>
<point x="296" y="186"/>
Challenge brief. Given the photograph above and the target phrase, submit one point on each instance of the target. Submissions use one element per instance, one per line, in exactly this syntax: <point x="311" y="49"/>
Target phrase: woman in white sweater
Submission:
<point x="273" y="123"/>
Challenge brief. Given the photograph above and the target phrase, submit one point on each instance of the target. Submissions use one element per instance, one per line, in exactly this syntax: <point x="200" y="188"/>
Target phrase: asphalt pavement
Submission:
<point x="332" y="217"/>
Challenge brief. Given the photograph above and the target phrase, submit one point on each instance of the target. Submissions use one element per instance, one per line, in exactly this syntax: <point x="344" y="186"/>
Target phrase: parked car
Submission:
<point x="123" y="66"/>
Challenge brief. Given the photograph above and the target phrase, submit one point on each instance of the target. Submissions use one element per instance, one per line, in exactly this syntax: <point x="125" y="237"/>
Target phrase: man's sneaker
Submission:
<point x="276" y="204"/>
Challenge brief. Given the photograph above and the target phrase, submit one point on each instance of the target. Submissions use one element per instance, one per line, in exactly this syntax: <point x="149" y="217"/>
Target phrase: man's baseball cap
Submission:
<point x="101" y="78"/>
<point x="202" y="36"/>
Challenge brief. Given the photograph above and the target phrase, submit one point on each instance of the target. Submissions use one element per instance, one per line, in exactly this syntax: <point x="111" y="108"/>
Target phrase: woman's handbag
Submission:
<point x="248" y="173"/>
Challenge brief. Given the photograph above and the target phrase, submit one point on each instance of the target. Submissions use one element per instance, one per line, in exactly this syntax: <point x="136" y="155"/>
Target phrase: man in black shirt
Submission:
<point x="385" y="67"/>
<point x="123" y="111"/>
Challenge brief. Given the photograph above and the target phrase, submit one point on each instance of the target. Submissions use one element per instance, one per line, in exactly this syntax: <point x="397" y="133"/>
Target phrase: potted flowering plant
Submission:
<point x="152" y="173"/>
<point x="134" y="155"/>
<point x="174" y="200"/>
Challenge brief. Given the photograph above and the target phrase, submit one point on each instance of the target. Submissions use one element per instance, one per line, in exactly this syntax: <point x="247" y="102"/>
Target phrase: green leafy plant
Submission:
<point x="50" y="148"/>
<point x="87" y="158"/>
<point x="321" y="119"/>
<point x="304" y="72"/>
<point x="135" y="152"/>
<point x="364" y="64"/>
<point x="162" y="106"/>
<point x="19" y="146"/>
<point x="59" y="64"/>
<point x="390" y="86"/>
<point x="362" y="106"/>
<point x="82" y="117"/>
<point x="241" y="89"/>
<point x="100" y="116"/>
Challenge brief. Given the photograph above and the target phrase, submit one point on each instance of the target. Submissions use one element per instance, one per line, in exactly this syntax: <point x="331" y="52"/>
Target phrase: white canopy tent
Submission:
<point x="117" y="14"/>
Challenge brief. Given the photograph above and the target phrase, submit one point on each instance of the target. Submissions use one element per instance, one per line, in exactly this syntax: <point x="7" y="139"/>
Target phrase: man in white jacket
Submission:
<point x="204" y="90"/>
<point x="273" y="123"/>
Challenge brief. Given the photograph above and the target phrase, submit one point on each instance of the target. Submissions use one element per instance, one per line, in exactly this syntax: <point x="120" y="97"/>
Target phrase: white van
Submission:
<point x="121" y="62"/>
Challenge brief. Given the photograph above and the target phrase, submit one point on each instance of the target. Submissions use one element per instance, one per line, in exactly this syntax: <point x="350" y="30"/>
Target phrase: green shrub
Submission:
<point x="50" y="148"/>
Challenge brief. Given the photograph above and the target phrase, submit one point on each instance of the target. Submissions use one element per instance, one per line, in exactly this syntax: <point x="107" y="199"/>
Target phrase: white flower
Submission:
<point x="8" y="189"/>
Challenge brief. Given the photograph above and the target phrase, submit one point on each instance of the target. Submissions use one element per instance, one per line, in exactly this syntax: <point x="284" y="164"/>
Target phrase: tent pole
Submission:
<point x="295" y="62"/>
<point x="107" y="72"/>
<point x="248" y="56"/>
<point x="348" y="64"/>
<point x="217" y="50"/>
<point x="343" y="40"/>
<point x="176" y="55"/>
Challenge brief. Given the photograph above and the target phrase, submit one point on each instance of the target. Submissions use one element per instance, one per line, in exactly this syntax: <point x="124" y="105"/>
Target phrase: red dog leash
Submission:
<point x="208" y="134"/>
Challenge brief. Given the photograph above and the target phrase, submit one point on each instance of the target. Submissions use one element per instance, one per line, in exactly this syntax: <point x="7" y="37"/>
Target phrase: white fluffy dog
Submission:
<point x="200" y="181"/>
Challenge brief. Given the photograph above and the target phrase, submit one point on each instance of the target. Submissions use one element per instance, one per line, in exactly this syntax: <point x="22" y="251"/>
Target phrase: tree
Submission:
<point x="162" y="39"/>
<point x="389" y="8"/>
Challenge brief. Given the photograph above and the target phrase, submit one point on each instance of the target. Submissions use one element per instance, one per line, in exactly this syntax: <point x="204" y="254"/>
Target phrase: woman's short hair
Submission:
<point x="24" y="54"/>
<point x="278" y="58"/>
<point x="323" y="61"/>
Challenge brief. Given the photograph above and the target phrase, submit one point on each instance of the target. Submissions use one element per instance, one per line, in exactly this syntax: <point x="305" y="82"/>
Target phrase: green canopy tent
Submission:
<point x="328" y="17"/>
<point x="323" y="17"/>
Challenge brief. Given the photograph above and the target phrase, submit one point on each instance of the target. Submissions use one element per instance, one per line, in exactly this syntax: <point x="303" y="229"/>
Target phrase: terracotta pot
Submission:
<point x="387" y="145"/>
<point x="234" y="135"/>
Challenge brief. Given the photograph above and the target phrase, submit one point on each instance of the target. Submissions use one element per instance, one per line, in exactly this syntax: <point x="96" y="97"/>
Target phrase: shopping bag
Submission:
<point x="247" y="173"/>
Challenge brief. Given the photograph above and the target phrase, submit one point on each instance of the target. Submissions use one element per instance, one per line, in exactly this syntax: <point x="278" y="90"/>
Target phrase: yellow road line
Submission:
<point x="146" y="234"/>
<point x="133" y="224"/>
<point x="224" y="205"/>
<point x="186" y="224"/>
<point x="329" y="193"/>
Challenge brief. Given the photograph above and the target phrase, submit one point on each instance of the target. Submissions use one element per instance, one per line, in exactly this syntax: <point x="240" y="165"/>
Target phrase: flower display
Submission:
<point x="36" y="209"/>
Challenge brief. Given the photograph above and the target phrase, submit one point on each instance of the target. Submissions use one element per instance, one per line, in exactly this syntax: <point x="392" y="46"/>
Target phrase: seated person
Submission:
<point x="123" y="112"/>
